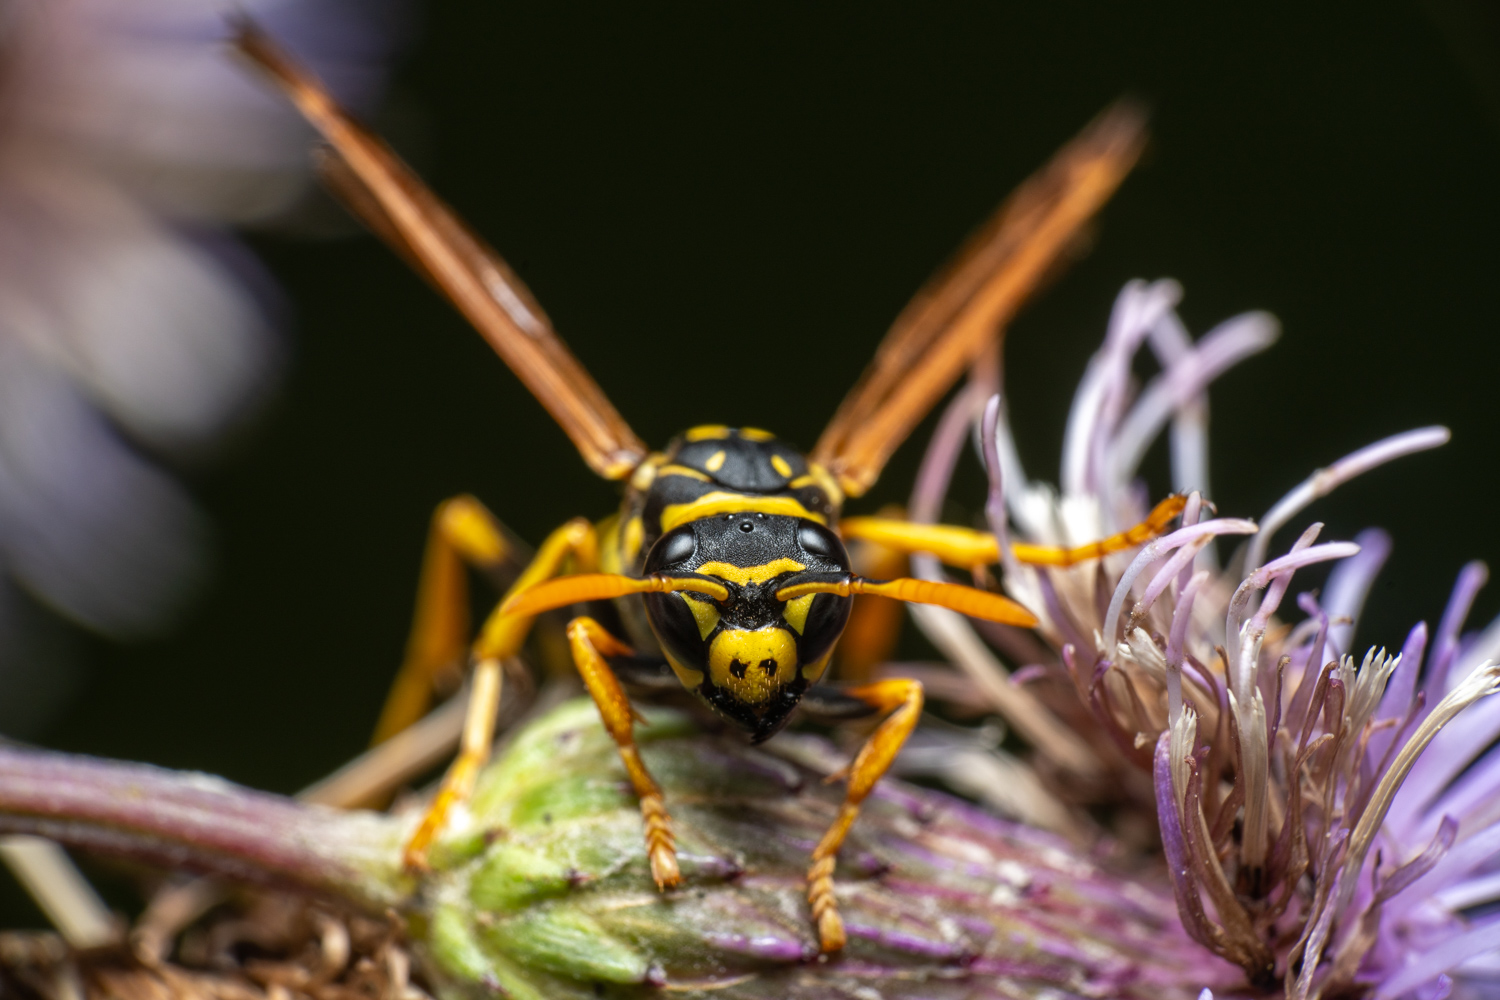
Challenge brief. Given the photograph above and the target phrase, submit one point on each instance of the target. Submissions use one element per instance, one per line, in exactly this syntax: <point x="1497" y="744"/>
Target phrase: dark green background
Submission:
<point x="722" y="208"/>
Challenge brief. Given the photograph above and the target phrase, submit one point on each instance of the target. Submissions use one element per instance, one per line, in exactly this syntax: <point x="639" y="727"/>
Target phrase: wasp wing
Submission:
<point x="389" y="197"/>
<point x="949" y="323"/>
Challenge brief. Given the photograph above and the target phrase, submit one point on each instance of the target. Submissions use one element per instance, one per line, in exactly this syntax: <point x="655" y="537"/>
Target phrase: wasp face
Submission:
<point x="750" y="657"/>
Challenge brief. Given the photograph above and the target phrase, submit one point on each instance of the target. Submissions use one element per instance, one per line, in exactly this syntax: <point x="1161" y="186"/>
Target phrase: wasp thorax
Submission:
<point x="751" y="656"/>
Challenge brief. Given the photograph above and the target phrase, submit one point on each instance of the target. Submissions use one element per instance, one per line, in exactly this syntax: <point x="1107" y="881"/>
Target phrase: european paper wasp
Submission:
<point x="726" y="563"/>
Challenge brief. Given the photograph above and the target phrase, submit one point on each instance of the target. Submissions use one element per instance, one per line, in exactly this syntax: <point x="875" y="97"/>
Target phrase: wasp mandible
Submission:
<point x="726" y="562"/>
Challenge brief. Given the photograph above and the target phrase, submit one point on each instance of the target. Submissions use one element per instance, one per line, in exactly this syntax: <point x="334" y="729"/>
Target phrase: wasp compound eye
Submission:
<point x="814" y="539"/>
<point x="674" y="547"/>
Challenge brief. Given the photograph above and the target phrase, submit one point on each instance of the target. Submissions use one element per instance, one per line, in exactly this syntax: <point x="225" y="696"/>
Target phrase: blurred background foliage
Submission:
<point x="723" y="207"/>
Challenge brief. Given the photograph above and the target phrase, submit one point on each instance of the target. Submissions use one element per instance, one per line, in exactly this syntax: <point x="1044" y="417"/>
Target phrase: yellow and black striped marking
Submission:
<point x="751" y="657"/>
<point x="715" y="470"/>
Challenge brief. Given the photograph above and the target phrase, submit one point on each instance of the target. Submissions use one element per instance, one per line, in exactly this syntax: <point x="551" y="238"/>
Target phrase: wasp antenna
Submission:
<point x="954" y="596"/>
<point x="659" y="584"/>
<point x="840" y="586"/>
<point x="565" y="590"/>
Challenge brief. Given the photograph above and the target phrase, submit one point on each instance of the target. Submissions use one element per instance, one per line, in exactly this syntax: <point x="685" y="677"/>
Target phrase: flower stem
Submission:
<point x="198" y="822"/>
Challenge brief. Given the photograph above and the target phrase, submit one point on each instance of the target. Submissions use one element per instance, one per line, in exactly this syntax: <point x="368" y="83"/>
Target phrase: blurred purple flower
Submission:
<point x="1330" y="824"/>
<point x="129" y="323"/>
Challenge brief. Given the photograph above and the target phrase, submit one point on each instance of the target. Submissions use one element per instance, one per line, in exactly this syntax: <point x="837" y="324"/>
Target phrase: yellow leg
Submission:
<point x="500" y="638"/>
<point x="903" y="698"/>
<point x="591" y="644"/>
<point x="968" y="548"/>
<point x="874" y="622"/>
<point x="503" y="632"/>
<point x="1155" y="524"/>
<point x="473" y="750"/>
<point x="462" y="532"/>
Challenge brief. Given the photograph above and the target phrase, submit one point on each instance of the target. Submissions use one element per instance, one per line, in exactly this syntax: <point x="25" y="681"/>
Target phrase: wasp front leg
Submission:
<point x="591" y="643"/>
<point x="902" y="698"/>
<point x="968" y="548"/>
<point x="500" y="638"/>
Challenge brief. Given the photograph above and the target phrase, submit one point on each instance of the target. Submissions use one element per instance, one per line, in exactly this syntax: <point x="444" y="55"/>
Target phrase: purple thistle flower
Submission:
<point x="1330" y="823"/>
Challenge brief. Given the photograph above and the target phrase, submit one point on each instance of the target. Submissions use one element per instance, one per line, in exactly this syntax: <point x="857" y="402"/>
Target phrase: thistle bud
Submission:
<point x="547" y="891"/>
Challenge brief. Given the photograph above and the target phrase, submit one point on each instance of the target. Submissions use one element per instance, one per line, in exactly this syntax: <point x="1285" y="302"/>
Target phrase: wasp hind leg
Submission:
<point x="902" y="698"/>
<point x="591" y="643"/>
<point x="500" y="638"/>
<point x="463" y="532"/>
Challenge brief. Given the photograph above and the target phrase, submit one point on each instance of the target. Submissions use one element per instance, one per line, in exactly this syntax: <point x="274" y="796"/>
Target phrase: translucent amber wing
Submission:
<point x="385" y="193"/>
<point x="955" y="315"/>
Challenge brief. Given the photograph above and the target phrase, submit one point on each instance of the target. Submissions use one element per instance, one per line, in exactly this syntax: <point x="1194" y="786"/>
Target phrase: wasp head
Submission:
<point x="749" y="657"/>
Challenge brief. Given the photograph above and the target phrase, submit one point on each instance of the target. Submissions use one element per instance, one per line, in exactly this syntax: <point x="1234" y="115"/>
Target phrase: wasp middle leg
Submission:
<point x="874" y="625"/>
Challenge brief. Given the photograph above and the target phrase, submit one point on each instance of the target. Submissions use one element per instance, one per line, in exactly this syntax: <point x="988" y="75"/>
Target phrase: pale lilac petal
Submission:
<point x="1089" y="424"/>
<point x="1188" y="447"/>
<point x="994" y="466"/>
<point x="1463" y="740"/>
<point x="1181" y="617"/>
<point x="1439" y="989"/>
<point x="1471" y="579"/>
<point x="1474" y="649"/>
<point x="1404" y="876"/>
<point x="1188" y="444"/>
<point x="942" y="453"/>
<point x="1221" y="348"/>
<point x="1154" y="550"/>
<point x="128" y="315"/>
<point x="220" y="146"/>
<point x="158" y="332"/>
<point x="1425" y="966"/>
<point x="1480" y="891"/>
<point x="1279" y="585"/>
<point x="1324" y="481"/>
<point x="1475" y="796"/>
<point x="1174" y="844"/>
<point x="1349" y="584"/>
<point x="1180" y="562"/>
<point x="1401" y="688"/>
<point x="1012" y="472"/>
<point x="1465" y="856"/>
<point x="1192" y="513"/>
<point x="1289" y="563"/>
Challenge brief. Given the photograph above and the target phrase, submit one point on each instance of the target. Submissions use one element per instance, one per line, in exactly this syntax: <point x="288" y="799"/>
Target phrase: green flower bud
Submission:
<point x="545" y="891"/>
